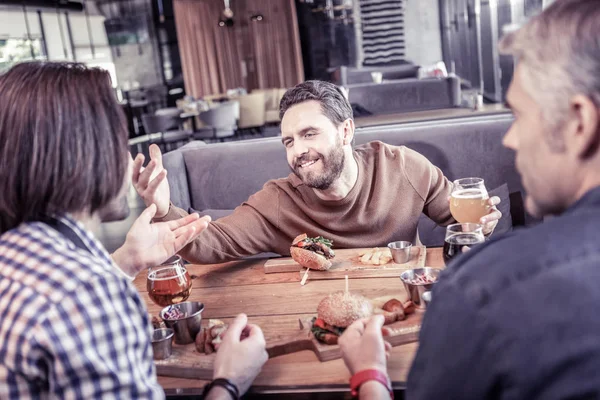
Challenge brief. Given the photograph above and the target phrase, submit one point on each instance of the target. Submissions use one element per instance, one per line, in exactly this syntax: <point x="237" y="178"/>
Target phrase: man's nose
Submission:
<point x="299" y="148"/>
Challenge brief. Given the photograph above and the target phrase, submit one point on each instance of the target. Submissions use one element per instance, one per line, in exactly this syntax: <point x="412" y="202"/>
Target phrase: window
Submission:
<point x="14" y="50"/>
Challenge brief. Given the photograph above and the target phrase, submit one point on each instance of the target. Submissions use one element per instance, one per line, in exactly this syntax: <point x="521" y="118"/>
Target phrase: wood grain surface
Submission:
<point x="276" y="302"/>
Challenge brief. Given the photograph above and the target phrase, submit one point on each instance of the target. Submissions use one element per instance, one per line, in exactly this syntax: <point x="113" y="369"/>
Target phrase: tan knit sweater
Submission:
<point x="395" y="185"/>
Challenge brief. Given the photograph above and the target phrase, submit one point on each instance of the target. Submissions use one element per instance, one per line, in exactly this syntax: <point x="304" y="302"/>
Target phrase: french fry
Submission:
<point x="375" y="257"/>
<point x="366" y="258"/>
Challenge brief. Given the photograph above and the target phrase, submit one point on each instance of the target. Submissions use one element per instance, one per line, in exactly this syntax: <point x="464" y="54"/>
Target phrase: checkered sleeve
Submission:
<point x="98" y="341"/>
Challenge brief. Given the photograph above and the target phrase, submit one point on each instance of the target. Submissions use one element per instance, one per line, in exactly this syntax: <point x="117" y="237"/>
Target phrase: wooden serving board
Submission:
<point x="186" y="362"/>
<point x="346" y="262"/>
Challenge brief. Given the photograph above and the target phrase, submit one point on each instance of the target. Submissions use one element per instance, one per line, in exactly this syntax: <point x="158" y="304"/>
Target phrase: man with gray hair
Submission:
<point x="518" y="318"/>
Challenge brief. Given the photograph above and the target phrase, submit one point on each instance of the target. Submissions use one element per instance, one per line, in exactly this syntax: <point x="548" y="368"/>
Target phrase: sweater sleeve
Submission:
<point x="431" y="185"/>
<point x="251" y="229"/>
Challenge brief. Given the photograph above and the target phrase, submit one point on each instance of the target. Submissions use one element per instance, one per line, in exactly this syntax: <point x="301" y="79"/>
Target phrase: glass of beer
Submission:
<point x="469" y="200"/>
<point x="169" y="283"/>
<point x="460" y="235"/>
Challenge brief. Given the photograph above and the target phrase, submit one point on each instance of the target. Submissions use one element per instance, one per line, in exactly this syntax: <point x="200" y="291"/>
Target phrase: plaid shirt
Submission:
<point x="71" y="325"/>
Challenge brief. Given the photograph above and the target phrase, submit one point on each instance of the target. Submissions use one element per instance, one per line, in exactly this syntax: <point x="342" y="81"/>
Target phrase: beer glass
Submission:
<point x="469" y="200"/>
<point x="459" y="235"/>
<point x="169" y="283"/>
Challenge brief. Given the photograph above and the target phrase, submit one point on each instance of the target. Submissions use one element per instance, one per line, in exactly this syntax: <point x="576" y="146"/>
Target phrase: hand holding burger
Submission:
<point x="363" y="347"/>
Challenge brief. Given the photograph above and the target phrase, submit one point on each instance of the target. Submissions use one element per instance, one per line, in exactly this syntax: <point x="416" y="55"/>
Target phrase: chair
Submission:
<point x="220" y="122"/>
<point x="252" y="111"/>
<point x="272" y="99"/>
<point x="171" y="137"/>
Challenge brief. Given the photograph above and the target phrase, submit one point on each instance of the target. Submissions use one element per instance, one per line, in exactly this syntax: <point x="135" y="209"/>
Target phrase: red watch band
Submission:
<point x="370" y="375"/>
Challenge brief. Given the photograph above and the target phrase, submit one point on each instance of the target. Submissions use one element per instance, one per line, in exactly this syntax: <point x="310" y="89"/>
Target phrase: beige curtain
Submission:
<point x="209" y="57"/>
<point x="212" y="56"/>
<point x="276" y="43"/>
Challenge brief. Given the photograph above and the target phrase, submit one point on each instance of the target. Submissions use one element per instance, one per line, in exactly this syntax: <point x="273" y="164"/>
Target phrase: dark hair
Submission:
<point x="63" y="141"/>
<point x="334" y="104"/>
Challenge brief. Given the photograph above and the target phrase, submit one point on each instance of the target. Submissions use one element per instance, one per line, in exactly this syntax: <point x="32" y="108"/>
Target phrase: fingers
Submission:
<point x="464" y="249"/>
<point x="184" y="238"/>
<point x="137" y="167"/>
<point x="255" y="333"/>
<point x="356" y="329"/>
<point x="147" y="215"/>
<point x="234" y="332"/>
<point x="199" y="225"/>
<point x="184" y="235"/>
<point x="388" y="349"/>
<point x="494" y="215"/>
<point x="156" y="155"/>
<point x="375" y="325"/>
<point x="386" y="331"/>
<point x="178" y="223"/>
<point x="146" y="174"/>
<point x="154" y="183"/>
<point x="494" y="201"/>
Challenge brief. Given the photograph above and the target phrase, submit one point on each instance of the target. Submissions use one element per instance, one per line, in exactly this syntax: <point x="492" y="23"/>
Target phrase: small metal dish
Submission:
<point x="162" y="343"/>
<point x="400" y="251"/>
<point x="418" y="281"/>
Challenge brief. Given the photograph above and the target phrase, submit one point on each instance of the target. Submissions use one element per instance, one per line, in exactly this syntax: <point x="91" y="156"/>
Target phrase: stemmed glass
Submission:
<point x="460" y="235"/>
<point x="169" y="283"/>
<point x="469" y="200"/>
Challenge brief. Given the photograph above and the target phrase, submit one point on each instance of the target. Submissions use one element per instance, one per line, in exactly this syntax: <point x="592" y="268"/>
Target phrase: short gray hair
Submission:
<point x="560" y="50"/>
<point x="334" y="104"/>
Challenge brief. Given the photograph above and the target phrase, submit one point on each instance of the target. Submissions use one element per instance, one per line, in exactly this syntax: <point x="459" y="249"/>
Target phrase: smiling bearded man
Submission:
<point x="358" y="197"/>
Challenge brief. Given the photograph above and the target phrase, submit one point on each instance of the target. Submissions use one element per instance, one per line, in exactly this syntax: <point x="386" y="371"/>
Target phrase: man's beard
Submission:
<point x="333" y="165"/>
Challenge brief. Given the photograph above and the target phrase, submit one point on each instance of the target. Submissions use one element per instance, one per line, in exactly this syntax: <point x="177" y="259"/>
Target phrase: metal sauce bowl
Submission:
<point x="188" y="327"/>
<point x="162" y="343"/>
<point x="400" y="251"/>
<point x="416" y="291"/>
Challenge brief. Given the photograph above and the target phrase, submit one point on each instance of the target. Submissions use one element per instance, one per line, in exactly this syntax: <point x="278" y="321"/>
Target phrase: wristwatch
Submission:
<point x="370" y="375"/>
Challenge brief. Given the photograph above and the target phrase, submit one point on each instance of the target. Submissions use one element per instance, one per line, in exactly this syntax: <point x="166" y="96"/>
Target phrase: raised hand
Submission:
<point x="149" y="244"/>
<point x="151" y="182"/>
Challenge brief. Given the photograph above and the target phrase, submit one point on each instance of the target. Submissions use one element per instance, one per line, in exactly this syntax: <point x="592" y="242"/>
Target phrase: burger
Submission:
<point x="313" y="253"/>
<point x="338" y="311"/>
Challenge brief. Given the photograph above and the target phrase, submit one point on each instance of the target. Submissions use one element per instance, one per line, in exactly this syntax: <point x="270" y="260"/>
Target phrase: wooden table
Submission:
<point x="275" y="302"/>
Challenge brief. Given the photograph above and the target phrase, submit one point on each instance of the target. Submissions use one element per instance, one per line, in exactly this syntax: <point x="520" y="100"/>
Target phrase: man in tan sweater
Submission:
<point x="358" y="197"/>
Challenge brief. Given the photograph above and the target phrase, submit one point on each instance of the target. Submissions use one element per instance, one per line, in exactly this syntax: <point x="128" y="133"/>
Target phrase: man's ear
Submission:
<point x="348" y="127"/>
<point x="583" y="131"/>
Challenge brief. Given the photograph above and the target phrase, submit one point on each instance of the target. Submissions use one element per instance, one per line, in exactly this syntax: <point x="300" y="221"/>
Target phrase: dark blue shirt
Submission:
<point x="518" y="317"/>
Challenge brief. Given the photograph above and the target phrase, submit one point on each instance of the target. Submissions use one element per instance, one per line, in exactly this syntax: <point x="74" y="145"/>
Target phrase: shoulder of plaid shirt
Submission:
<point x="72" y="324"/>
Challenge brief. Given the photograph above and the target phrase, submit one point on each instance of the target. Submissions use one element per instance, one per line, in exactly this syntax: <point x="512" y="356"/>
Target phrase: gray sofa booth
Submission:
<point x="216" y="178"/>
<point x="404" y="95"/>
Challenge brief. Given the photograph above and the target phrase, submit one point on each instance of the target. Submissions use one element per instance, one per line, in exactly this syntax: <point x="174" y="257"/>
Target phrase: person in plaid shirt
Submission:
<point x="72" y="325"/>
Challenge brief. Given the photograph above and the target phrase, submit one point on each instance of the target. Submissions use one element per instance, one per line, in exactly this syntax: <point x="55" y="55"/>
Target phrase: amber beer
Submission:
<point x="469" y="205"/>
<point x="169" y="283"/>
